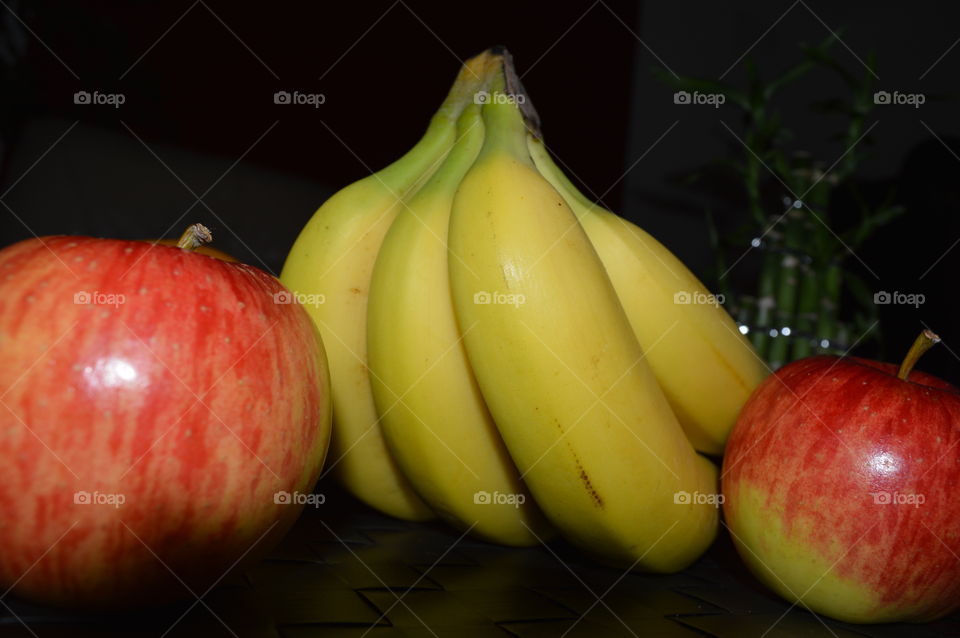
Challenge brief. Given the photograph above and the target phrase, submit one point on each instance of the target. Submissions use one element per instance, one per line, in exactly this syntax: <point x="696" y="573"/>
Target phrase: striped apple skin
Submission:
<point x="841" y="488"/>
<point x="168" y="379"/>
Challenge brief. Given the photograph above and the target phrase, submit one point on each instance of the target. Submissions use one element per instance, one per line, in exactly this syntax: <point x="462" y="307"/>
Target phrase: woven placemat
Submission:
<point x="345" y="570"/>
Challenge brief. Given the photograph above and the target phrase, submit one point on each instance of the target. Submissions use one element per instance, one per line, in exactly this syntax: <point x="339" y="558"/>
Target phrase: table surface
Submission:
<point x="345" y="570"/>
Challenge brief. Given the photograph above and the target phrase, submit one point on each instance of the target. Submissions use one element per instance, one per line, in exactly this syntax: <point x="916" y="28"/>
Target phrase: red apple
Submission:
<point x="153" y="403"/>
<point x="840" y="482"/>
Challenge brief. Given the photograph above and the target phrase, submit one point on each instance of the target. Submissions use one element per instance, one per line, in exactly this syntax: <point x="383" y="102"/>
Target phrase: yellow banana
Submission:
<point x="431" y="411"/>
<point x="704" y="366"/>
<point x="329" y="270"/>
<point x="560" y="368"/>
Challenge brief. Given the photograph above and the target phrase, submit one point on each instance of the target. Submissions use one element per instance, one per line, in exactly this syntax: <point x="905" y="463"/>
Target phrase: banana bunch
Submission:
<point x="511" y="358"/>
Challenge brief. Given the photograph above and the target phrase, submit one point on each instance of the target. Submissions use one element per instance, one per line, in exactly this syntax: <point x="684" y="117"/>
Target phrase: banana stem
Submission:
<point x="470" y="81"/>
<point x="513" y="87"/>
<point x="505" y="125"/>
<point x="440" y="135"/>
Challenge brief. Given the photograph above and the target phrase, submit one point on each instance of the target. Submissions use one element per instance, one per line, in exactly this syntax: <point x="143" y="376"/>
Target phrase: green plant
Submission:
<point x="804" y="247"/>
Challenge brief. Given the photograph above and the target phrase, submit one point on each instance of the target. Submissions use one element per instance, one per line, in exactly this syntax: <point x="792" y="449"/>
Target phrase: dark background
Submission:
<point x="199" y="137"/>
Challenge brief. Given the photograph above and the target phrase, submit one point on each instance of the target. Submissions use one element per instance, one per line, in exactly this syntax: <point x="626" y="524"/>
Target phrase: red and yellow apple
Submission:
<point x="841" y="481"/>
<point x="162" y="419"/>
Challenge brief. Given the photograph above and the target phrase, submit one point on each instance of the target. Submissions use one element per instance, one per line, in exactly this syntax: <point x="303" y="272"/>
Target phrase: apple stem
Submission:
<point x="926" y="340"/>
<point x="194" y="236"/>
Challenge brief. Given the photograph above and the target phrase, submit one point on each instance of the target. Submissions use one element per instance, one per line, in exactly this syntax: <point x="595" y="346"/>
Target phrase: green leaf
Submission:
<point x="861" y="293"/>
<point x="785" y="78"/>
<point x="871" y="222"/>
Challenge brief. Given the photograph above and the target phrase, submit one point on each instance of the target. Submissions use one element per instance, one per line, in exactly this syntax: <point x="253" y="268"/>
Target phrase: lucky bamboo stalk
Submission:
<point x="806" y="314"/>
<point x="830" y="279"/>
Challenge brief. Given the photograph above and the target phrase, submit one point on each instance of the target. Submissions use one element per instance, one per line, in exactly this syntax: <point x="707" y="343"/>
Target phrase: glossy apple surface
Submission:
<point x="152" y="404"/>
<point x="841" y="487"/>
